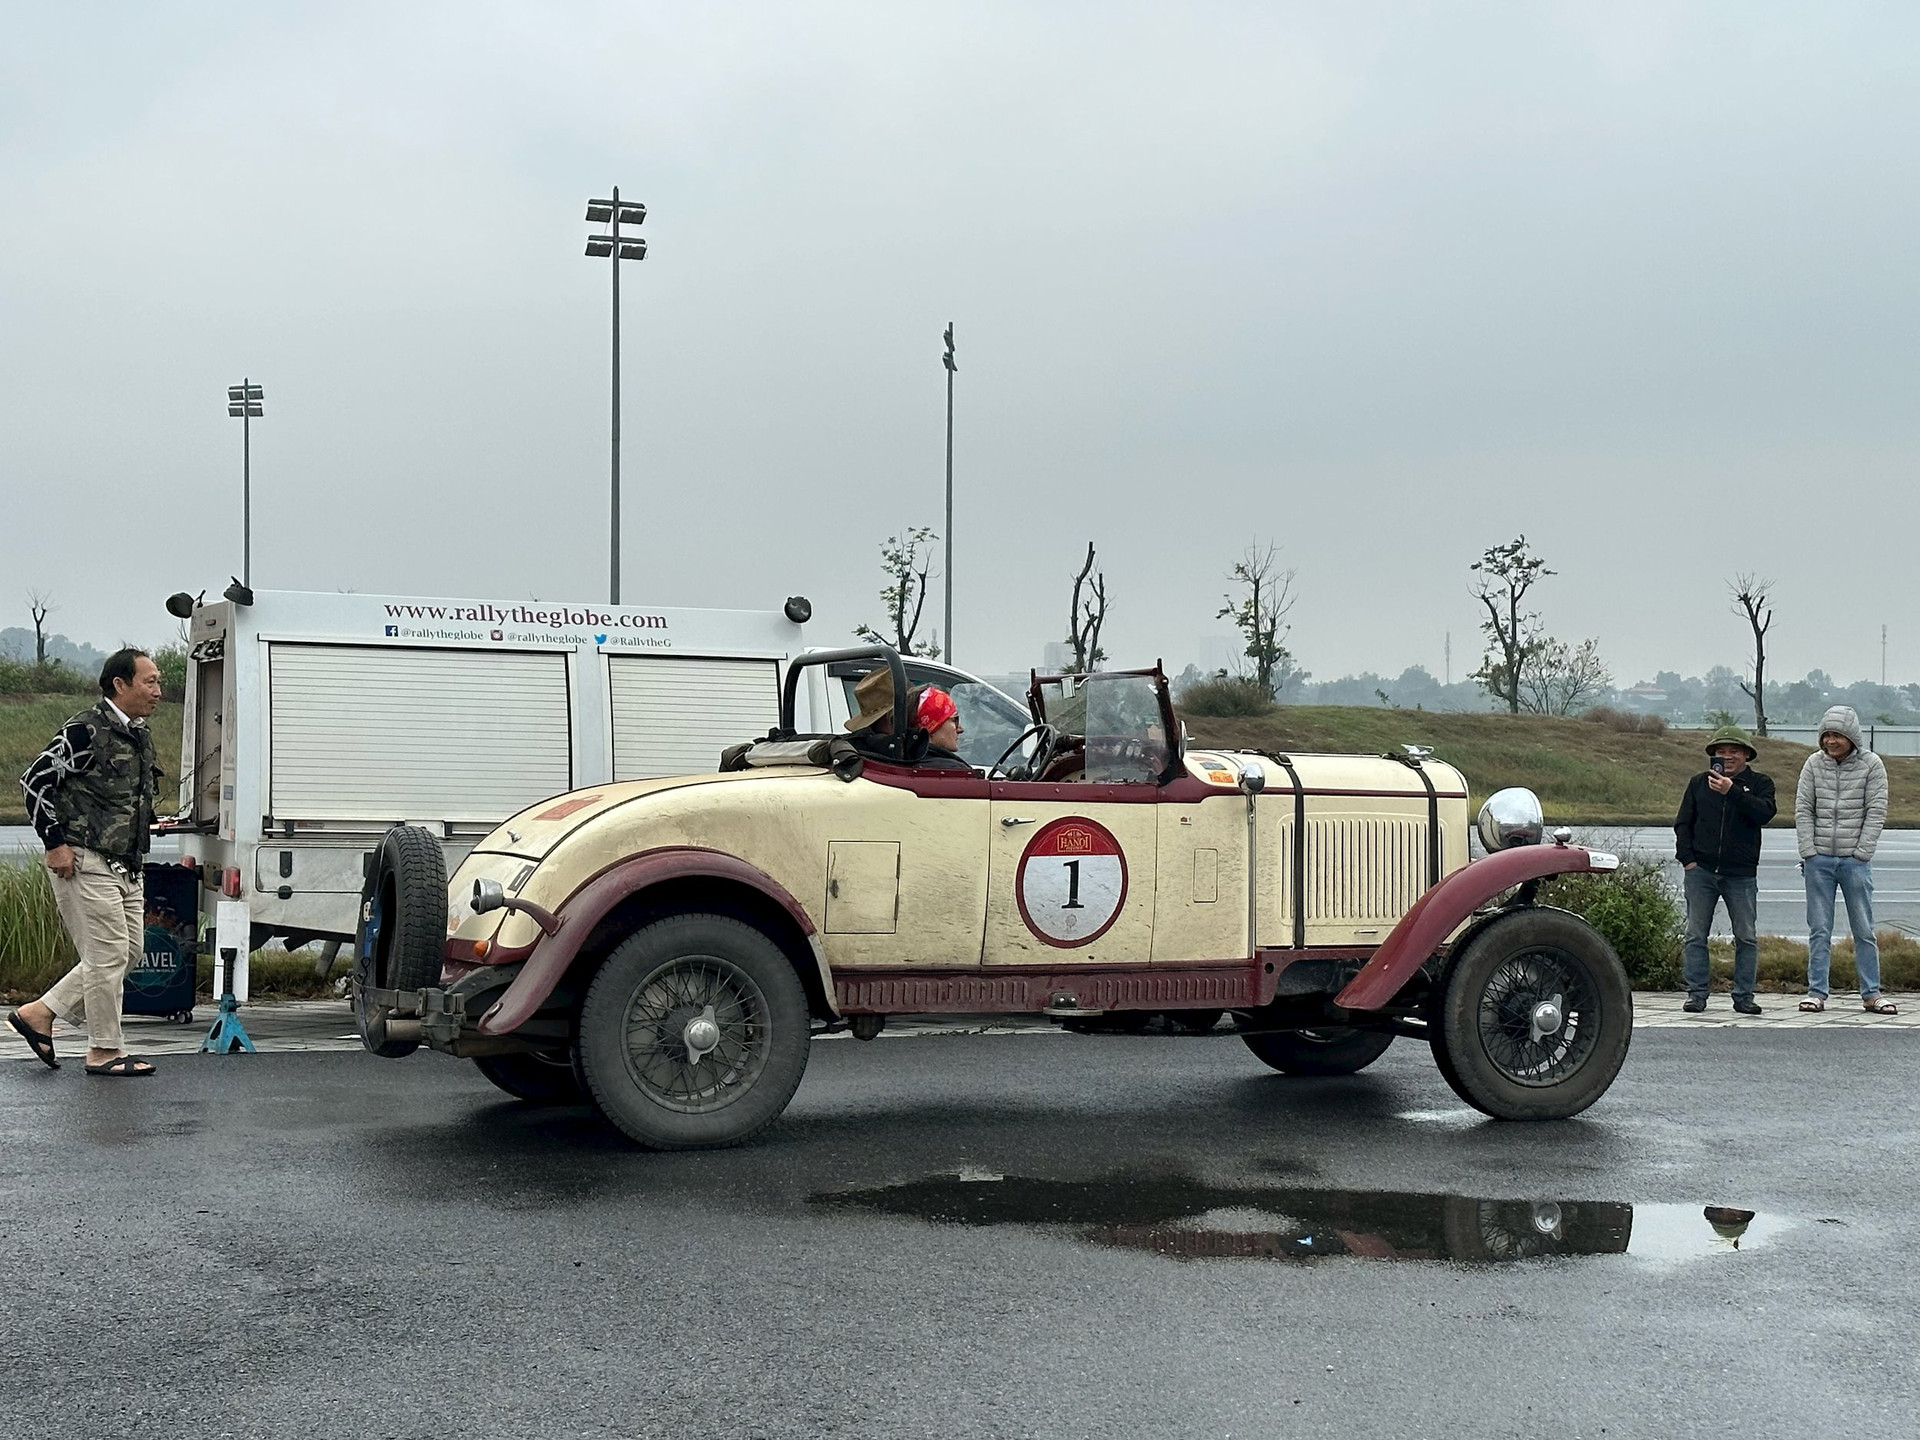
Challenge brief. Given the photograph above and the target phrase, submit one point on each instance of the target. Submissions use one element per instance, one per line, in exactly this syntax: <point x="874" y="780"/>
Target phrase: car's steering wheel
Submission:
<point x="1047" y="738"/>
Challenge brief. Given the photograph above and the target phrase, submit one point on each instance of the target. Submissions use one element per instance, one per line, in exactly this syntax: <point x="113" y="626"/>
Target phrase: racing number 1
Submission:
<point x="1071" y="881"/>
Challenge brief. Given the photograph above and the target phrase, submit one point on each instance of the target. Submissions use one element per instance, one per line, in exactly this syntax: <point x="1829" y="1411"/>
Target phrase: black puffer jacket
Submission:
<point x="1722" y="832"/>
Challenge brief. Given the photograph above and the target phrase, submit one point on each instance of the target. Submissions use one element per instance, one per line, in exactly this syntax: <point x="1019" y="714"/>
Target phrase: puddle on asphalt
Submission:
<point x="1183" y="1218"/>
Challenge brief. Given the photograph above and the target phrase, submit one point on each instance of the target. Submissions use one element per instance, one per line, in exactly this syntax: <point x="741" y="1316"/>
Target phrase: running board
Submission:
<point x="1239" y="986"/>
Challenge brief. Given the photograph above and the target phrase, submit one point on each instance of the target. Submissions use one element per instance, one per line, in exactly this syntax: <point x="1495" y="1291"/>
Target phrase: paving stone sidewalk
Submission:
<point x="303" y="1025"/>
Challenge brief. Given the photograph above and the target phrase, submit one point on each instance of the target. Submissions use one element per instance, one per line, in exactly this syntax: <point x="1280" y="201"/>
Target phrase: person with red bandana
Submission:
<point x="940" y="718"/>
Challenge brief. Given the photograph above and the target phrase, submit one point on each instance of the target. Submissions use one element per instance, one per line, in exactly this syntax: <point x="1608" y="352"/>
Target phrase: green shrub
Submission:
<point x="52" y="678"/>
<point x="172" y="662"/>
<point x="1636" y="911"/>
<point x="1226" y="695"/>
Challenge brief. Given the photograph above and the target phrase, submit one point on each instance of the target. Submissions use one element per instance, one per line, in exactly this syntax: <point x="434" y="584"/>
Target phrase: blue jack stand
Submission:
<point x="228" y="1036"/>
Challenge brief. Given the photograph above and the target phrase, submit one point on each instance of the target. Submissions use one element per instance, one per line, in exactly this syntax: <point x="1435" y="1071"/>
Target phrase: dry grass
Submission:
<point x="34" y="948"/>
<point x="1583" y="773"/>
<point x="1783" y="964"/>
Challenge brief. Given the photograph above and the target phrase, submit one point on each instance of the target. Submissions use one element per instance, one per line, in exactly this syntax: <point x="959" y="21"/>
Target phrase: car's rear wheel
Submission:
<point x="694" y="1033"/>
<point x="1333" y="1050"/>
<point x="1534" y="1017"/>
<point x="544" y="1077"/>
<point x="1194" y="1022"/>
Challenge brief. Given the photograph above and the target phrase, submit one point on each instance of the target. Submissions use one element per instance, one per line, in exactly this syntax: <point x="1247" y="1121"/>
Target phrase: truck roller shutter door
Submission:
<point x="674" y="717"/>
<point x="385" y="733"/>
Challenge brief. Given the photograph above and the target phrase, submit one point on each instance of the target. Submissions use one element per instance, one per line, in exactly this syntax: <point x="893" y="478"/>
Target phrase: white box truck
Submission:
<point x="315" y="722"/>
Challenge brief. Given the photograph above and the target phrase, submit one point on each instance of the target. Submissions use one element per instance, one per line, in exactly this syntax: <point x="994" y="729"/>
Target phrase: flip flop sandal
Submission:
<point x="1812" y="1005"/>
<point x="42" y="1044"/>
<point x="123" y="1066"/>
<point x="1877" y="1006"/>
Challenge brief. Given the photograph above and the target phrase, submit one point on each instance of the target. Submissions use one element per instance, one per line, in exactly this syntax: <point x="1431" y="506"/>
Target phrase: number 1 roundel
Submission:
<point x="1072" y="882"/>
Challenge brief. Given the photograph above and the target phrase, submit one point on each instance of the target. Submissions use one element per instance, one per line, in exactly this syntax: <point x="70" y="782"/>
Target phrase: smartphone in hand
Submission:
<point x="1717" y="765"/>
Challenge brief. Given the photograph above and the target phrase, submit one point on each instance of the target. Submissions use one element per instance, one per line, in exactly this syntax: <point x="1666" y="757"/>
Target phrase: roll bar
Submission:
<point x="894" y="744"/>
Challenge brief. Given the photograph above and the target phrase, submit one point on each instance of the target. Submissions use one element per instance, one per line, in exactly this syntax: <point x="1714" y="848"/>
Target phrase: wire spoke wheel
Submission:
<point x="1533" y="1016"/>
<point x="696" y="1034"/>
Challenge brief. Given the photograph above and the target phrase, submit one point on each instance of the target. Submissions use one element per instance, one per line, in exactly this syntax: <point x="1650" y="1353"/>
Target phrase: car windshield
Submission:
<point x="1121" y="718"/>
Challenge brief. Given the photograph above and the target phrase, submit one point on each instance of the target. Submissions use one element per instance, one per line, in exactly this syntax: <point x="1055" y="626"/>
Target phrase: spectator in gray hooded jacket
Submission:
<point x="1839" y="808"/>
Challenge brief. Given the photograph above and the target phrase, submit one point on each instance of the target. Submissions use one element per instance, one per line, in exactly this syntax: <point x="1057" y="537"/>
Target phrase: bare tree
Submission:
<point x="39" y="605"/>
<point x="1506" y="573"/>
<point x="1753" y="598"/>
<point x="907" y="564"/>
<point x="1086" y="617"/>
<point x="1260" y="615"/>
<point x="1559" y="679"/>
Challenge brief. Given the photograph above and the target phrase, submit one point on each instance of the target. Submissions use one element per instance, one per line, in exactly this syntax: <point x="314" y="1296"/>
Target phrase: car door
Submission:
<point x="904" y="870"/>
<point x="1070" y="874"/>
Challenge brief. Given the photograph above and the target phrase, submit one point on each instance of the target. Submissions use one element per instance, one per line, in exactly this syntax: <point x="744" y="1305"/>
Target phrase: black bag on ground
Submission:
<point x="161" y="982"/>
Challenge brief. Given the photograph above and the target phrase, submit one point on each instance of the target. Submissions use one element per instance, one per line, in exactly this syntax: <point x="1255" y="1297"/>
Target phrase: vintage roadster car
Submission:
<point x="666" y="949"/>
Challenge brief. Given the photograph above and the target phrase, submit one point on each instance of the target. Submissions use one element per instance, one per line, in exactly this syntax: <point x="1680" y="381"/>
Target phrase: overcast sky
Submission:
<point x="1383" y="285"/>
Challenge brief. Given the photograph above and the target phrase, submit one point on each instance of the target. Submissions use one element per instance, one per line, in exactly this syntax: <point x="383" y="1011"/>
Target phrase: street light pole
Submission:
<point x="947" y="359"/>
<point x="244" y="403"/>
<point x="615" y="212"/>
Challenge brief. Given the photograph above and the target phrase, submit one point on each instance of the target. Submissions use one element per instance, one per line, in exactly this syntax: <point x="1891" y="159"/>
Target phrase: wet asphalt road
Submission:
<point x="334" y="1245"/>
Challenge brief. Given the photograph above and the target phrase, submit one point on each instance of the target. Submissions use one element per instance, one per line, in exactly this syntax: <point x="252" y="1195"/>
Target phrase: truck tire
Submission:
<point x="403" y="930"/>
<point x="694" y="1033"/>
<point x="1533" y="1018"/>
<point x="1335" y="1050"/>
<point x="545" y="1078"/>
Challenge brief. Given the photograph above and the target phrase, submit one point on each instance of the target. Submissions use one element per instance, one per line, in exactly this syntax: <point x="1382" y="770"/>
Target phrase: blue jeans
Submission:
<point x="1855" y="881"/>
<point x="1742" y="895"/>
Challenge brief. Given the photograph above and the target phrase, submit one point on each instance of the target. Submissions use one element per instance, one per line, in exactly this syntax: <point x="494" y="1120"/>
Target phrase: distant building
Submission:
<point x="1644" y="696"/>
<point x="1056" y="656"/>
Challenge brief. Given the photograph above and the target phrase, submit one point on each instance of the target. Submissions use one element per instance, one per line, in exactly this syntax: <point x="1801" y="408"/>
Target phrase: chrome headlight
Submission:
<point x="1511" y="817"/>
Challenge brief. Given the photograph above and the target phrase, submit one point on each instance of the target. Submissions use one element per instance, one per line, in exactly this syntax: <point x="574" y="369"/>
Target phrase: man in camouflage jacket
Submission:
<point x="90" y="797"/>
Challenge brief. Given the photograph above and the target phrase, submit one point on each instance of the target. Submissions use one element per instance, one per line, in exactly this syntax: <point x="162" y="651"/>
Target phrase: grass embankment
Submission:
<point x="1584" y="773"/>
<point x="28" y="722"/>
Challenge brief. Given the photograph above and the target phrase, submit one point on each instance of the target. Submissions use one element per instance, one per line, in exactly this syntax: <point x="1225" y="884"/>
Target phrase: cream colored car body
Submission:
<point x="891" y="879"/>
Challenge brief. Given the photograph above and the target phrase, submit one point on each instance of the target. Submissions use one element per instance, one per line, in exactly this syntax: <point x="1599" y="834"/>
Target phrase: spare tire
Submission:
<point x="403" y="929"/>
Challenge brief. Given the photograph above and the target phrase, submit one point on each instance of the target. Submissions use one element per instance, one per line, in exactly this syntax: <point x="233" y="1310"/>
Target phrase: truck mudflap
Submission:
<point x="1439" y="912"/>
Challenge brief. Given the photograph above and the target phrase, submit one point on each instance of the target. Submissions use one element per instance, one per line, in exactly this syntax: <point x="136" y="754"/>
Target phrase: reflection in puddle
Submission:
<point x="1187" y="1219"/>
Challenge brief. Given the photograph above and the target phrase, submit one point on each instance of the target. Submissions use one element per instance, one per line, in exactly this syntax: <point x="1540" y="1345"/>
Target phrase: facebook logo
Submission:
<point x="393" y="629"/>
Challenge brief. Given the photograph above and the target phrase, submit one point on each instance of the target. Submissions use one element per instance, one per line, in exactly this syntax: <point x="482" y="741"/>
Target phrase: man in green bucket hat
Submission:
<point x="1718" y="842"/>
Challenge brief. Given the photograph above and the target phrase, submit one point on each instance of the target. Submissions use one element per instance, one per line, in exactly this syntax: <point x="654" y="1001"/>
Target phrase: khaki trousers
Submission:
<point x="105" y="912"/>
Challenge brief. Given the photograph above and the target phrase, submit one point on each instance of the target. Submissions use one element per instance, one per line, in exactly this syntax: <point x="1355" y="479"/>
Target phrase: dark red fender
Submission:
<point x="583" y="909"/>
<point x="1440" y="911"/>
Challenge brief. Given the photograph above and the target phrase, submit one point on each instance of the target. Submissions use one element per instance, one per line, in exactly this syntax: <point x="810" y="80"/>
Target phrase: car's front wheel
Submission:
<point x="1533" y="1017"/>
<point x="694" y="1034"/>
